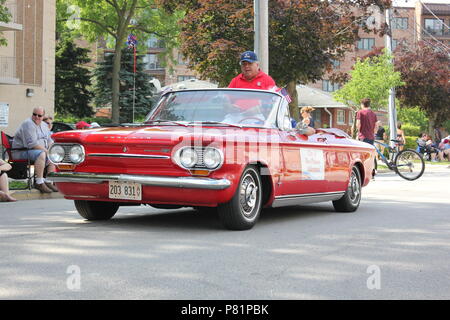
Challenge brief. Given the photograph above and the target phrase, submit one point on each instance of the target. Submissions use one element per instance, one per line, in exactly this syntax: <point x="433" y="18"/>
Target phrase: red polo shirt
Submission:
<point x="262" y="81"/>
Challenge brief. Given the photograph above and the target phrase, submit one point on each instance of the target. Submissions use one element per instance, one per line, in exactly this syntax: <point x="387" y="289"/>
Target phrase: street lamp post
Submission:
<point x="261" y="38"/>
<point x="392" y="111"/>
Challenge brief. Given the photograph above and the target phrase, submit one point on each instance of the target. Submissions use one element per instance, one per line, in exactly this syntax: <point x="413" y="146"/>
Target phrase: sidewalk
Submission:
<point x="428" y="167"/>
<point x="34" y="194"/>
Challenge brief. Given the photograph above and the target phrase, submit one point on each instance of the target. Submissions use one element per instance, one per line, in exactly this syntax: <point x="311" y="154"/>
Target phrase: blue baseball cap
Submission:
<point x="249" y="56"/>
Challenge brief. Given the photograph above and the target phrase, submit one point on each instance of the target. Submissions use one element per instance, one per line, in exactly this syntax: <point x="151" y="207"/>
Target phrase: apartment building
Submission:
<point x="426" y="22"/>
<point x="433" y="21"/>
<point x="173" y="70"/>
<point x="27" y="63"/>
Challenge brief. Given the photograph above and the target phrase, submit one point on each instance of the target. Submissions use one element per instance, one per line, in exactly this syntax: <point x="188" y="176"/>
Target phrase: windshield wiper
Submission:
<point x="216" y="122"/>
<point x="162" y="121"/>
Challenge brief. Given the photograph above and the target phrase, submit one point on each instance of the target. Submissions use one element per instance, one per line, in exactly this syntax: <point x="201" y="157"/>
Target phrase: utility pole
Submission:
<point x="261" y="38"/>
<point x="392" y="111"/>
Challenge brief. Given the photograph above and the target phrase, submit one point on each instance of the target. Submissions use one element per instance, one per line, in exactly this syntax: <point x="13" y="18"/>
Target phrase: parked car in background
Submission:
<point x="61" y="126"/>
<point x="233" y="151"/>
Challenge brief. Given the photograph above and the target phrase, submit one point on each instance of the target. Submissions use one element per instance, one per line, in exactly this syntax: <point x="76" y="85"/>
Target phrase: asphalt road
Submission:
<point x="396" y="246"/>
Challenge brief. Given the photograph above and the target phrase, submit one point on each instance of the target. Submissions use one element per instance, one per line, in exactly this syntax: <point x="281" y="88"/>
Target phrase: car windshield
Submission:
<point x="217" y="107"/>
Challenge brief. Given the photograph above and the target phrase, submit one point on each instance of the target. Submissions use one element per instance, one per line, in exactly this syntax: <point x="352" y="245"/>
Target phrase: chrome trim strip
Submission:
<point x="158" y="181"/>
<point x="127" y="155"/>
<point x="298" y="199"/>
<point x="84" y="197"/>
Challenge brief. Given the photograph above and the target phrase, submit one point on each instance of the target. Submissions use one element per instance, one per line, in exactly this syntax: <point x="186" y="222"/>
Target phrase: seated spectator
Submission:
<point x="444" y="148"/>
<point x="4" y="188"/>
<point x="34" y="135"/>
<point x="425" y="145"/>
<point x="49" y="121"/>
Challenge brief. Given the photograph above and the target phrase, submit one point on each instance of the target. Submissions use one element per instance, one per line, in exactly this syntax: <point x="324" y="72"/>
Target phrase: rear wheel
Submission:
<point x="96" y="210"/>
<point x="409" y="164"/>
<point x="243" y="210"/>
<point x="352" y="197"/>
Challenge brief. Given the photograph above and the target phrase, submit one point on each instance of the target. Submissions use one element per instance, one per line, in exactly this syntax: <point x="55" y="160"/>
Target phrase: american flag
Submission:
<point x="284" y="92"/>
<point x="131" y="41"/>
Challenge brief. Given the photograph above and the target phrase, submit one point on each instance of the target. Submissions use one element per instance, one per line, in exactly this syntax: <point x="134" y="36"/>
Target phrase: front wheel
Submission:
<point x="243" y="210"/>
<point x="409" y="164"/>
<point x="96" y="210"/>
<point x="352" y="197"/>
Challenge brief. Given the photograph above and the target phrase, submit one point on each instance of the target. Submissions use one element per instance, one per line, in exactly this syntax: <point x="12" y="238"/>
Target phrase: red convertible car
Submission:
<point x="233" y="150"/>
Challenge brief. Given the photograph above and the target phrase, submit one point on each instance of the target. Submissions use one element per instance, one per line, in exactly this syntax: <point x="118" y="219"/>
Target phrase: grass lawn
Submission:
<point x="17" y="185"/>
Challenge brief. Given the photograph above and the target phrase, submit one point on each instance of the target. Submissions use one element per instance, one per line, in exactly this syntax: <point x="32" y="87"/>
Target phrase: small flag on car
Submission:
<point x="285" y="93"/>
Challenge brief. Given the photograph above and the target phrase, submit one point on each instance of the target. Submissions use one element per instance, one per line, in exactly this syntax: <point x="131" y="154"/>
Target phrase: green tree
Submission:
<point x="305" y="36"/>
<point x="72" y="80"/>
<point x="5" y="17"/>
<point x="114" y="20"/>
<point x="128" y="82"/>
<point x="412" y="116"/>
<point x="426" y="73"/>
<point x="370" y="78"/>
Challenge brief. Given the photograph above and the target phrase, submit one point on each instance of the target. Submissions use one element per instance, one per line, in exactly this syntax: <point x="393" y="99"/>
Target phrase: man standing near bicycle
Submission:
<point x="366" y="122"/>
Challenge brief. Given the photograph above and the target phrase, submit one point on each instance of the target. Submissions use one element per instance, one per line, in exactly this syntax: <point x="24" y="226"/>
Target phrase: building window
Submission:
<point x="184" y="78"/>
<point x="181" y="60"/>
<point x="365" y="43"/>
<point x="367" y="21"/>
<point x="351" y="116"/>
<point x="329" y="86"/>
<point x="155" y="43"/>
<point x="317" y="118"/>
<point x="434" y="26"/>
<point x="400" y="23"/>
<point x="394" y="44"/>
<point x="151" y="62"/>
<point x="336" y="63"/>
<point x="340" y="117"/>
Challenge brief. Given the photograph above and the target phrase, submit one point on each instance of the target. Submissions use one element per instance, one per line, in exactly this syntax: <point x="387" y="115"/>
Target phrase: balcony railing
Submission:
<point x="13" y="24"/>
<point x="12" y="8"/>
<point x="428" y="32"/>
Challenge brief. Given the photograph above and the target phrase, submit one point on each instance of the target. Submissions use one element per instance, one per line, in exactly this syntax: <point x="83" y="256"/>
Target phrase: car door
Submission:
<point x="304" y="160"/>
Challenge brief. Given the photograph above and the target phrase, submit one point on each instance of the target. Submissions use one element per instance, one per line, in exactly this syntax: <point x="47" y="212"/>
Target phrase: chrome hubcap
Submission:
<point x="354" y="189"/>
<point x="248" y="195"/>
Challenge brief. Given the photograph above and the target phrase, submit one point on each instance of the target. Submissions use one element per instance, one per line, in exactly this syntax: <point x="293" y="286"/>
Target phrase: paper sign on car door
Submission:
<point x="313" y="164"/>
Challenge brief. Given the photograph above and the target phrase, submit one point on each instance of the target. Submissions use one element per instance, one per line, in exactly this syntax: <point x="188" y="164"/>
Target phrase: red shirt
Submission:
<point x="367" y="118"/>
<point x="262" y="81"/>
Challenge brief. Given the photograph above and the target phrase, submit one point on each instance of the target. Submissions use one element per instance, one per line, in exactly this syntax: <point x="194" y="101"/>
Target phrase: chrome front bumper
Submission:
<point x="156" y="181"/>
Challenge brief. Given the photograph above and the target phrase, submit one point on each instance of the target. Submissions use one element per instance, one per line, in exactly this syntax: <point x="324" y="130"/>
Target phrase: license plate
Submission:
<point x="125" y="190"/>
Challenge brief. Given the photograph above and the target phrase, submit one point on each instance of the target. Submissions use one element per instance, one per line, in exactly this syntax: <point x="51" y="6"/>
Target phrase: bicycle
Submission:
<point x="407" y="163"/>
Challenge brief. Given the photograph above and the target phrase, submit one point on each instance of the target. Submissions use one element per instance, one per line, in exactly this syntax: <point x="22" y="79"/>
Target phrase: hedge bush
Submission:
<point x="411" y="130"/>
<point x="411" y="142"/>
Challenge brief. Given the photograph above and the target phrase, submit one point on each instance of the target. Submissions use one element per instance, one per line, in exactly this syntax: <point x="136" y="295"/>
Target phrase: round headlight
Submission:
<point x="188" y="157"/>
<point x="76" y="154"/>
<point x="212" y="158"/>
<point x="56" y="153"/>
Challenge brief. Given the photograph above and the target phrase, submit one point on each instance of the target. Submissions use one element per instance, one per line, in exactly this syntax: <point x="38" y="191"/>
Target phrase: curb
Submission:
<point x="34" y="194"/>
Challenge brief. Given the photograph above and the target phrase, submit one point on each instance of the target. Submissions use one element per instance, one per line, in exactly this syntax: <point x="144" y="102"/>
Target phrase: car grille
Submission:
<point x="200" y="164"/>
<point x="67" y="148"/>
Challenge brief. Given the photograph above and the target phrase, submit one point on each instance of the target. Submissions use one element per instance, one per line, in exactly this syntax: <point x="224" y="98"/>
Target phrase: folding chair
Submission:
<point x="21" y="168"/>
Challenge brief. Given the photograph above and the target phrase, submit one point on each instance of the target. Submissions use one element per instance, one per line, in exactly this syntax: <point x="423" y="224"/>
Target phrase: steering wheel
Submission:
<point x="251" y="118"/>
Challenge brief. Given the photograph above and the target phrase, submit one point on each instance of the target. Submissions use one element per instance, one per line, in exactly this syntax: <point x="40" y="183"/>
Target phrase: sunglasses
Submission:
<point x="38" y="115"/>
